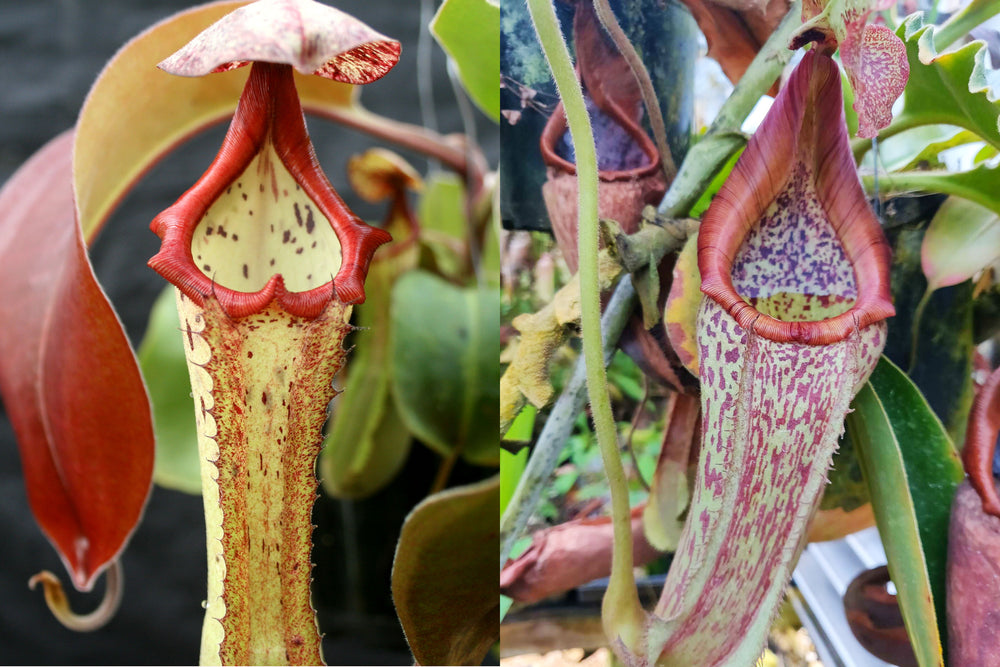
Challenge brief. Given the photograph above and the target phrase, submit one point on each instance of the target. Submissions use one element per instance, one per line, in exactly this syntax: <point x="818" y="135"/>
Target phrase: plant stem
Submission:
<point x="444" y="470"/>
<point x="412" y="137"/>
<point x="621" y="609"/>
<point x="58" y="603"/>
<point x="918" y="316"/>
<point x="559" y="424"/>
<point x="473" y="232"/>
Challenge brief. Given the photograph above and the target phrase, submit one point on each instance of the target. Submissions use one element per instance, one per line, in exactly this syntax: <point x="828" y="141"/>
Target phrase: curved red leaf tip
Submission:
<point x="792" y="218"/>
<point x="312" y="37"/>
<point x="980" y="443"/>
<point x="264" y="223"/>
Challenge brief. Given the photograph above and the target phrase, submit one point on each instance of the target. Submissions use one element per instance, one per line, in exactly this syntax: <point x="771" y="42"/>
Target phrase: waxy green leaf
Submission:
<point x="953" y="87"/>
<point x="441" y="211"/>
<point x="161" y="358"/>
<point x="445" y="343"/>
<point x="444" y="575"/>
<point x="511" y="468"/>
<point x="916" y="148"/>
<point x="469" y="30"/>
<point x="977" y="184"/>
<point x="912" y="471"/>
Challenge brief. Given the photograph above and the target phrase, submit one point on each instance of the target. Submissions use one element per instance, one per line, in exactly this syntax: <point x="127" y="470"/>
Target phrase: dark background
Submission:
<point x="50" y="52"/>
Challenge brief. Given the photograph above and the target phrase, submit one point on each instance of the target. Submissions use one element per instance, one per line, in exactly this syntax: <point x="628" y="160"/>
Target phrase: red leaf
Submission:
<point x="69" y="380"/>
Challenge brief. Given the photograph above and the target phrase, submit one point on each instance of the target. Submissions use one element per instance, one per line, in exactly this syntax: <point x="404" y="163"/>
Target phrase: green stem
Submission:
<point x="918" y="316"/>
<point x="622" y="611"/>
<point x="964" y="20"/>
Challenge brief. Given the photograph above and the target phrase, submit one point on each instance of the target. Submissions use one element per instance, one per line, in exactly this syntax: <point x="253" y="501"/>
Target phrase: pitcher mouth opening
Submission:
<point x="801" y="156"/>
<point x="556" y="127"/>
<point x="263" y="223"/>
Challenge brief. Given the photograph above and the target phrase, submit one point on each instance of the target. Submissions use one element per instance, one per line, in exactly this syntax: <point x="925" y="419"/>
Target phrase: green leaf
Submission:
<point x="446" y="381"/>
<point x="511" y="468"/>
<point x="444" y="229"/>
<point x="985" y="153"/>
<point x="951" y="87"/>
<point x="367" y="441"/>
<point x="912" y="470"/>
<point x="963" y="238"/>
<point x="522" y="429"/>
<point x="917" y="148"/>
<point x="442" y="205"/>
<point x="978" y="184"/>
<point x="505" y="604"/>
<point x="713" y="187"/>
<point x="444" y="575"/>
<point x="469" y="30"/>
<point x="930" y="155"/>
<point x="161" y="358"/>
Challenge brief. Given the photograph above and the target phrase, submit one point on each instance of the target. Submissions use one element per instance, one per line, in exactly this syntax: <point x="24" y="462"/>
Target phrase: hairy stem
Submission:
<point x="621" y="610"/>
